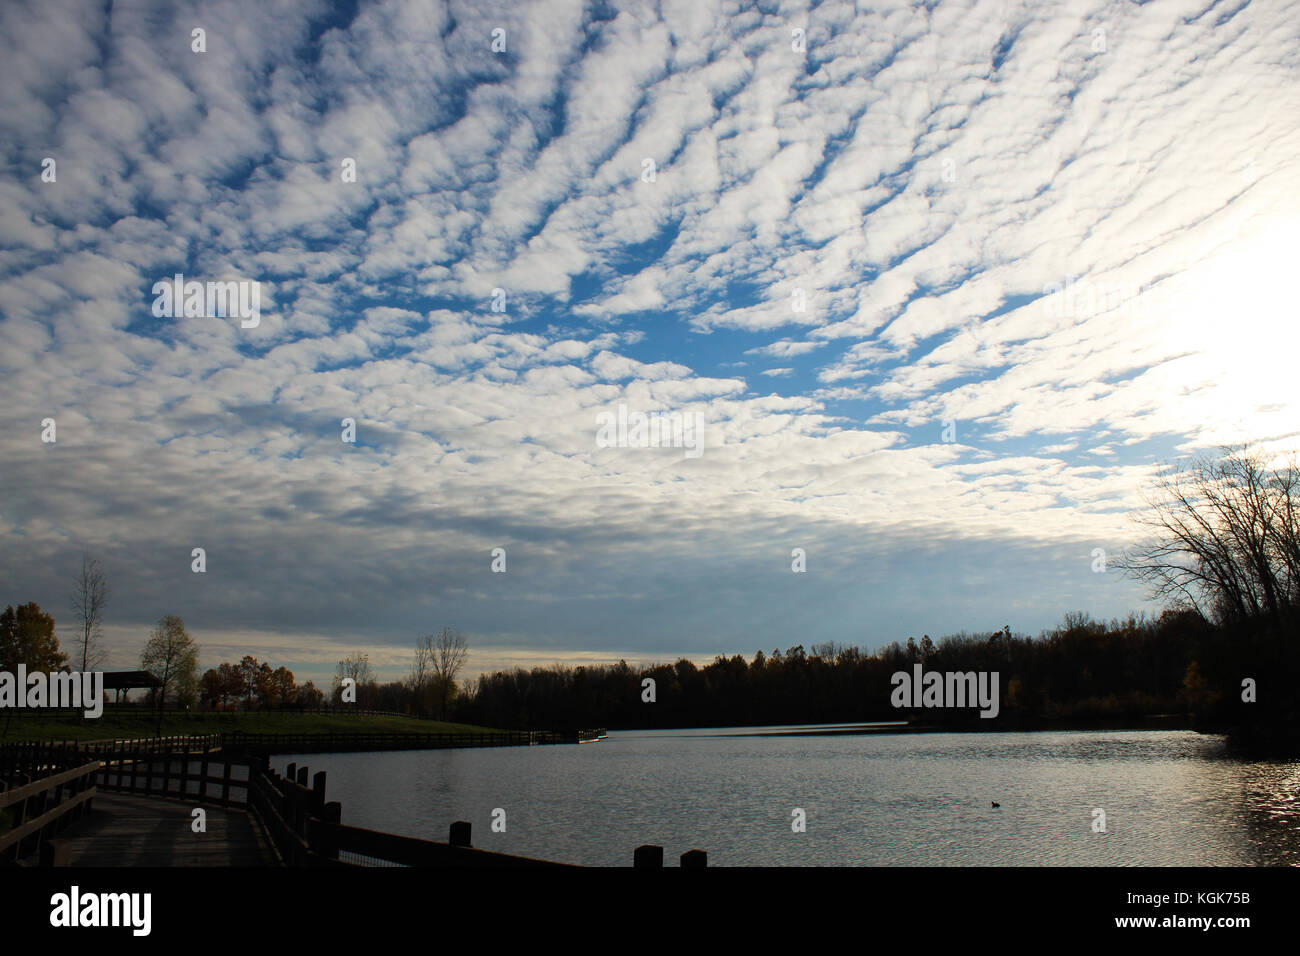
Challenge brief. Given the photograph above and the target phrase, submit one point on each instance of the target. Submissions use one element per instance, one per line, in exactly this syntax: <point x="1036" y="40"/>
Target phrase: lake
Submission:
<point x="1170" y="798"/>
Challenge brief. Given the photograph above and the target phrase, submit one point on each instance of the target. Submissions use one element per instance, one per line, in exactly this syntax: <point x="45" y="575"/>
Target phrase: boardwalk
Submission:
<point x="123" y="830"/>
<point x="145" y="793"/>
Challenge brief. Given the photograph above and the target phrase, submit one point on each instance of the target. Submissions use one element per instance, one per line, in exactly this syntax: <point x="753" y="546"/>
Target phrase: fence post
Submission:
<point x="459" y="834"/>
<point x="87" y="807"/>
<point x="55" y="853"/>
<point x="331" y="813"/>
<point x="648" y="856"/>
<point x="318" y="793"/>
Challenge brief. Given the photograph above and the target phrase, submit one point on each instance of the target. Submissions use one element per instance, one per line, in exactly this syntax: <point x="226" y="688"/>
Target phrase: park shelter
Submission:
<point x="129" y="680"/>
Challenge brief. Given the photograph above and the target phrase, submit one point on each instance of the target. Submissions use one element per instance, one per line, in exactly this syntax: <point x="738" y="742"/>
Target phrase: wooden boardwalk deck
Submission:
<point x="123" y="830"/>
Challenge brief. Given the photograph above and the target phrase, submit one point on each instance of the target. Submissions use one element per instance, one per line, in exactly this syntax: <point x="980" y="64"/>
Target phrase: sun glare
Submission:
<point x="1234" y="315"/>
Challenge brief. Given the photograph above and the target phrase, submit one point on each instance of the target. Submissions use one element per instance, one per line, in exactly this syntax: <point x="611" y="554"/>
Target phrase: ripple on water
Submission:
<point x="1170" y="798"/>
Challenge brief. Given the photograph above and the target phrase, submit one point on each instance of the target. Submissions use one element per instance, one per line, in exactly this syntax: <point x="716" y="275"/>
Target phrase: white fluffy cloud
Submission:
<point x="1063" y="229"/>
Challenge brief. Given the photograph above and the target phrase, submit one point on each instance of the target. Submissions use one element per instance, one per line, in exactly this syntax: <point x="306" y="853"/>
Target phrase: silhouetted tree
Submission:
<point x="89" y="598"/>
<point x="1224" y="538"/>
<point x="357" y="667"/>
<point x="310" y="696"/>
<point x="448" y="653"/>
<point x="247" y="669"/>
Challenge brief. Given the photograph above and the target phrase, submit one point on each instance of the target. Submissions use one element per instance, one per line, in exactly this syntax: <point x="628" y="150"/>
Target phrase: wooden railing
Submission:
<point x="177" y="743"/>
<point x="204" y="777"/>
<point x="302" y="828"/>
<point x="323" y="743"/>
<point x="346" y="742"/>
<point x="306" y="831"/>
<point x="43" y="789"/>
<point x="144" y="711"/>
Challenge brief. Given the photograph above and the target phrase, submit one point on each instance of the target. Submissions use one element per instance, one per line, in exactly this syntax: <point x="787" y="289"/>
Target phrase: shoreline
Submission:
<point x="1150" y="722"/>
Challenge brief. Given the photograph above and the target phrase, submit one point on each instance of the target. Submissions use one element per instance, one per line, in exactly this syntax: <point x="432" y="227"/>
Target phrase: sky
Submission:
<point x="939" y="286"/>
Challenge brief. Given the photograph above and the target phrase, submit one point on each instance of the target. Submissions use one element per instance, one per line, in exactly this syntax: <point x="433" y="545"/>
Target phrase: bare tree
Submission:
<point x="89" y="596"/>
<point x="357" y="667"/>
<point x="1223" y="538"/>
<point x="421" y="678"/>
<point x="445" y="653"/>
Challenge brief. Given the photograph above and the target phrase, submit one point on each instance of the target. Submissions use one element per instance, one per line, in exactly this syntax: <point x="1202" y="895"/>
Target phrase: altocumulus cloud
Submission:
<point x="942" y="284"/>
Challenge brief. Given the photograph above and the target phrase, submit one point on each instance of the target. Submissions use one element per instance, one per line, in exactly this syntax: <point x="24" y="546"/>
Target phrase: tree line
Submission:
<point x="1082" y="670"/>
<point x="1220" y="547"/>
<point x="170" y="655"/>
<point x="252" y="685"/>
<point x="430" y="688"/>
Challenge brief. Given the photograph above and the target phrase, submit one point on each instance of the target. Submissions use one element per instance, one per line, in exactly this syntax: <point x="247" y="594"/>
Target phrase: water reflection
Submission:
<point x="1270" y="809"/>
<point x="1169" y="798"/>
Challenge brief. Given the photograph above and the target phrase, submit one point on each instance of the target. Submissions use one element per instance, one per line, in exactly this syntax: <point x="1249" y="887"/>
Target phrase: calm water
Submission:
<point x="1170" y="798"/>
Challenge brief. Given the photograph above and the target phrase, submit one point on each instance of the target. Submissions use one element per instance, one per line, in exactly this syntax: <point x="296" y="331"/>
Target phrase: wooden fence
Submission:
<point x="177" y="743"/>
<point x="44" y="788"/>
<point x="205" y="777"/>
<point x="300" y="825"/>
<point x="52" y="784"/>
<point x="318" y="743"/>
<point x="144" y="711"/>
<point x="346" y="742"/>
<point x="306" y="831"/>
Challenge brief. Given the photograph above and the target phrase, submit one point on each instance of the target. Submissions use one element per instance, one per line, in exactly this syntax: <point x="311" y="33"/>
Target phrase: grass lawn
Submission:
<point x="112" y="725"/>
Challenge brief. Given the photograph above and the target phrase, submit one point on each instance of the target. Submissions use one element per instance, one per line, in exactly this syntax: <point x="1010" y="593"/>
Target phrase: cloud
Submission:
<point x="1065" y="243"/>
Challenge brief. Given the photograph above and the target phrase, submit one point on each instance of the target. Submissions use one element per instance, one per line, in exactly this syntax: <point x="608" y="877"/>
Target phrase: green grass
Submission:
<point x="112" y="725"/>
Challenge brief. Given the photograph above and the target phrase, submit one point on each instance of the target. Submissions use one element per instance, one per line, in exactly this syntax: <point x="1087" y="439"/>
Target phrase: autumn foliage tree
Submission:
<point x="252" y="682"/>
<point x="27" y="638"/>
<point x="275" y="688"/>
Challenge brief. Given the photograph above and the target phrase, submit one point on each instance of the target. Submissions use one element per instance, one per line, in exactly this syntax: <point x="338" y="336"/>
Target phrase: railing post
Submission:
<point x="327" y="845"/>
<point x="55" y="853"/>
<point x="648" y="856"/>
<point x="318" y="793"/>
<point x="459" y="834"/>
